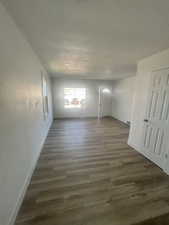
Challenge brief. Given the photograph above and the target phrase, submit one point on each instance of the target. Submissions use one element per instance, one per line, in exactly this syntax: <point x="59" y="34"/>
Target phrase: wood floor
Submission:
<point x="88" y="175"/>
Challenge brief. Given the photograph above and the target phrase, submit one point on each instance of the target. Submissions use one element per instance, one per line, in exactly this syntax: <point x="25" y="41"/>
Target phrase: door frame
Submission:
<point x="101" y="101"/>
<point x="100" y="111"/>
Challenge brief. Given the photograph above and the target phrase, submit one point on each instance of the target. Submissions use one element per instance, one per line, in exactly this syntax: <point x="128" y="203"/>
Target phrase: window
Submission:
<point x="74" y="97"/>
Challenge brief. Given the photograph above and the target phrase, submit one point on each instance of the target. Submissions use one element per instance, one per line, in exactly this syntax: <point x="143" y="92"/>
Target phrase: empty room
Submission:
<point x="84" y="112"/>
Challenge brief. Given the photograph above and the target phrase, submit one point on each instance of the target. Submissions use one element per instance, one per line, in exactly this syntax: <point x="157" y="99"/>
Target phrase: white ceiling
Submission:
<point x="100" y="39"/>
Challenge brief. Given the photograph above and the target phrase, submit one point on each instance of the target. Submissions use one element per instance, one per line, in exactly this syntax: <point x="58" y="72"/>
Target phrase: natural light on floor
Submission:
<point x="74" y="97"/>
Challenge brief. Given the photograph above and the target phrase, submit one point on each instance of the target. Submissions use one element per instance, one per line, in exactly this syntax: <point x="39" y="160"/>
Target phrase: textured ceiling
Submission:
<point x="100" y="39"/>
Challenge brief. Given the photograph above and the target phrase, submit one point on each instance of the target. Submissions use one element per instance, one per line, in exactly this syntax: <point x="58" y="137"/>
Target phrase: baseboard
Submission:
<point x="26" y="184"/>
<point x="121" y="121"/>
<point x="132" y="145"/>
<point x="72" y="118"/>
<point x="166" y="171"/>
<point x="79" y="117"/>
<point x="139" y="151"/>
<point x="148" y="157"/>
<point x="22" y="194"/>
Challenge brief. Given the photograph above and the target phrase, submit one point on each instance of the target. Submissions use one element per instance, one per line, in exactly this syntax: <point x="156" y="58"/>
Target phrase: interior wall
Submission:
<point x="92" y="97"/>
<point x="145" y="67"/>
<point x="22" y="125"/>
<point x="122" y="98"/>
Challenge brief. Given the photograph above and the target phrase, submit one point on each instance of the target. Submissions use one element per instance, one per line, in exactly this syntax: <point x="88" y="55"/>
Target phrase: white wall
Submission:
<point x="92" y="89"/>
<point x="22" y="127"/>
<point x="122" y="95"/>
<point x="145" y="67"/>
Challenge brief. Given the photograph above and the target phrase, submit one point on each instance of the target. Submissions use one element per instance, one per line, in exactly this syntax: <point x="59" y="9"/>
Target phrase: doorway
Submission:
<point x="104" y="103"/>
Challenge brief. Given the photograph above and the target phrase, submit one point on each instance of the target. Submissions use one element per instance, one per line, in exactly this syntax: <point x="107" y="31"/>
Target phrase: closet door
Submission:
<point x="156" y="122"/>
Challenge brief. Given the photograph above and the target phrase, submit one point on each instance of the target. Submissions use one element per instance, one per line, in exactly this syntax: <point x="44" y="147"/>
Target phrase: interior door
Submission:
<point x="156" y="122"/>
<point x="105" y="102"/>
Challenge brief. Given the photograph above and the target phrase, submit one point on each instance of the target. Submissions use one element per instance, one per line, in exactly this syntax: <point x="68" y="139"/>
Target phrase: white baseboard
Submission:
<point x="166" y="171"/>
<point x="21" y="196"/>
<point x="122" y="121"/>
<point x="132" y="145"/>
<point x="77" y="117"/>
<point x="138" y="150"/>
<point x="148" y="157"/>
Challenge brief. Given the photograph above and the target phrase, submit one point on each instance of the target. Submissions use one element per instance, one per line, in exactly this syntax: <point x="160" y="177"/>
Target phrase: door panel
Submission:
<point x="156" y="123"/>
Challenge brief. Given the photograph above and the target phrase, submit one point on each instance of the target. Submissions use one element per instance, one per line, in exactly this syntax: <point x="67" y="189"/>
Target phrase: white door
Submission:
<point x="105" y="102"/>
<point x="156" y="122"/>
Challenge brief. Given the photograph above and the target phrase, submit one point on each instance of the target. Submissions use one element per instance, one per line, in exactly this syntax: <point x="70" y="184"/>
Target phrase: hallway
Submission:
<point x="88" y="175"/>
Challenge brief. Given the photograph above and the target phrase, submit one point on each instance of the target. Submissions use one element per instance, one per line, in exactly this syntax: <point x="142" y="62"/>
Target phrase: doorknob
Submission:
<point x="146" y="120"/>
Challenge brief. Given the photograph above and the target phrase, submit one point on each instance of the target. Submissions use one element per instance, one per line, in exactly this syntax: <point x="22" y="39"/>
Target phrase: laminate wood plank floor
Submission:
<point x="88" y="175"/>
